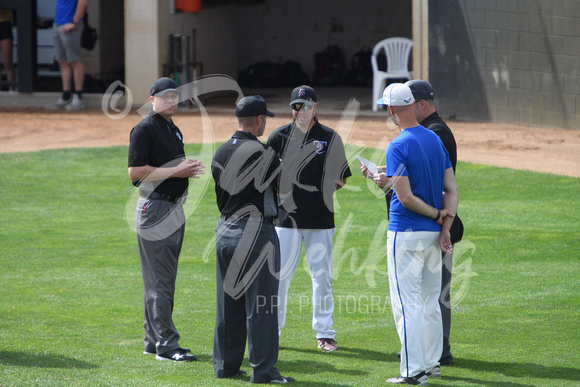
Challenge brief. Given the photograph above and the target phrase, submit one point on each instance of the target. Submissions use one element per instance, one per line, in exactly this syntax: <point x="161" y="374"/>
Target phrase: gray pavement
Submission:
<point x="332" y="99"/>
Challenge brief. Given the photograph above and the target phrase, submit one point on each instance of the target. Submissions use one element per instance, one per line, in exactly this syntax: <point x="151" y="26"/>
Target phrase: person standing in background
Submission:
<point x="66" y="37"/>
<point x="6" y="45"/>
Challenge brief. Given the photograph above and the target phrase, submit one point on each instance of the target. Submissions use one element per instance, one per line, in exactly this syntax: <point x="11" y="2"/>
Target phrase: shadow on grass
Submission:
<point x="309" y="367"/>
<point x="284" y="372"/>
<point x="357" y="353"/>
<point x="25" y="359"/>
<point x="519" y="370"/>
<point x="295" y="368"/>
<point x="479" y="382"/>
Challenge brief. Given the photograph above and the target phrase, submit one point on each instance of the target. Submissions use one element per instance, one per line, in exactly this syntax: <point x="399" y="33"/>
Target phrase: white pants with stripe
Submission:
<point x="318" y="247"/>
<point x="414" y="264"/>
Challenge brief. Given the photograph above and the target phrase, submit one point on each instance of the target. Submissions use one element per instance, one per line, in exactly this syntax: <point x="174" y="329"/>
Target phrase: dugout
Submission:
<point x="512" y="61"/>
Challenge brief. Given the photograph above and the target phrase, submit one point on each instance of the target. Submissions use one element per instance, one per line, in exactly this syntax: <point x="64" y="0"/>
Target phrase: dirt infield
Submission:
<point x="536" y="149"/>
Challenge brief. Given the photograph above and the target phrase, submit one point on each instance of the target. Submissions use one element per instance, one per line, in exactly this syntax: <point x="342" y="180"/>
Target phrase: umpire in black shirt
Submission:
<point x="248" y="253"/>
<point x="157" y="165"/>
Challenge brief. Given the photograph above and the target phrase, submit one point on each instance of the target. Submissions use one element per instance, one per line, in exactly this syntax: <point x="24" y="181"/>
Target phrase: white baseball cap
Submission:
<point x="397" y="94"/>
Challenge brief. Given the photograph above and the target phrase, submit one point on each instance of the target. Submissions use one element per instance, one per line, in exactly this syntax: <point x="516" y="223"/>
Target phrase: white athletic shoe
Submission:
<point x="434" y="373"/>
<point x="59" y="104"/>
<point x="76" y="104"/>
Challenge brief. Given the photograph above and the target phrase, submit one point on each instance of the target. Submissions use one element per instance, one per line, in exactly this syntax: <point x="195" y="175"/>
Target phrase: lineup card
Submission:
<point x="372" y="167"/>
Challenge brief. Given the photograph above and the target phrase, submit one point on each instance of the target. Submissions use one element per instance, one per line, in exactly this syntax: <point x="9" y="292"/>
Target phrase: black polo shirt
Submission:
<point x="246" y="174"/>
<point x="440" y="128"/>
<point x="159" y="143"/>
<point x="311" y="164"/>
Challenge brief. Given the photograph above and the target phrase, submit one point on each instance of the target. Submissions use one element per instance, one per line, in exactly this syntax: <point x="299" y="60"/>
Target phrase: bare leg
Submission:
<point x="66" y="75"/>
<point x="78" y="74"/>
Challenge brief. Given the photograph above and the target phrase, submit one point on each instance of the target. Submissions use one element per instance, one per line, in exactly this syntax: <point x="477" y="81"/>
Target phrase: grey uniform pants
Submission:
<point x="160" y="230"/>
<point x="445" y="303"/>
<point x="247" y="264"/>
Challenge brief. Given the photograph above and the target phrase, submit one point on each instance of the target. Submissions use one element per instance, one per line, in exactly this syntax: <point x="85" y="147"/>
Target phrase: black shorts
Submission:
<point x="6" y="30"/>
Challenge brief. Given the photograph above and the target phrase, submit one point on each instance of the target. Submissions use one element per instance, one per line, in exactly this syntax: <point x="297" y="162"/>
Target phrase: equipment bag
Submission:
<point x="89" y="35"/>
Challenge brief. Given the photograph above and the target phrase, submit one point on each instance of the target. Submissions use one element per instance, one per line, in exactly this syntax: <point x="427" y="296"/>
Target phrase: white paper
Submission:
<point x="372" y="167"/>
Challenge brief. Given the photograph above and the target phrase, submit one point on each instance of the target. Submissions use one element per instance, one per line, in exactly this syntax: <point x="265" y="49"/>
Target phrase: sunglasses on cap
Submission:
<point x="168" y="96"/>
<point x="301" y="106"/>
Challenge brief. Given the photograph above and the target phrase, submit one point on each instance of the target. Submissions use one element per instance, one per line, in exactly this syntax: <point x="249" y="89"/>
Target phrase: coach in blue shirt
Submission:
<point x="422" y="208"/>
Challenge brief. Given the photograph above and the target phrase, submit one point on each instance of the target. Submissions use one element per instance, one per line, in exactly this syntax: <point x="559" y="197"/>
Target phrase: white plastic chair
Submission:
<point x="397" y="52"/>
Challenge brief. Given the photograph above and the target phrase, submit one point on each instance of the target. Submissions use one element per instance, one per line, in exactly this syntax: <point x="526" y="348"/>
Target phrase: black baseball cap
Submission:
<point x="252" y="106"/>
<point x="421" y="89"/>
<point x="303" y="94"/>
<point x="162" y="86"/>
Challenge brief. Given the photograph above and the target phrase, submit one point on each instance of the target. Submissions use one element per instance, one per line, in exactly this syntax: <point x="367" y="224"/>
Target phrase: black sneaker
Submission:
<point x="418" y="380"/>
<point x="176" y="355"/>
<point x="448" y="361"/>
<point x="239" y="373"/>
<point x="283" y="380"/>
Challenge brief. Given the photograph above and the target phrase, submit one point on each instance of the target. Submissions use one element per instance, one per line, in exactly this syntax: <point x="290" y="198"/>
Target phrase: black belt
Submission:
<point x="265" y="220"/>
<point x="162" y="196"/>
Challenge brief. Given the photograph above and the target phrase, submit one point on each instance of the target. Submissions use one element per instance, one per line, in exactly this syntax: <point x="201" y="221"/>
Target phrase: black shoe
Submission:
<point x="176" y="355"/>
<point x="448" y="361"/>
<point x="418" y="380"/>
<point x="154" y="352"/>
<point x="239" y="373"/>
<point x="282" y="380"/>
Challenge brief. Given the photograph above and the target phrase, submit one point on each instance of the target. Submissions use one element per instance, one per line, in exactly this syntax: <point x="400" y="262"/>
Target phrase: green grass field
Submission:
<point x="71" y="290"/>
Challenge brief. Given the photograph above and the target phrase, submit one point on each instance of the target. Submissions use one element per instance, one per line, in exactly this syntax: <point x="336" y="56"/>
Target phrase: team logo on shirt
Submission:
<point x="320" y="146"/>
<point x="178" y="136"/>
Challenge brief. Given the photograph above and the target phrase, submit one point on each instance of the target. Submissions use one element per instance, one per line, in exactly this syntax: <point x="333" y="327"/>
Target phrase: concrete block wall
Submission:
<point x="512" y="61"/>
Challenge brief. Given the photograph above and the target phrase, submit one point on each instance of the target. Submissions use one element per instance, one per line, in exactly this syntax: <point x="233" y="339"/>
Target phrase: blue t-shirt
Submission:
<point x="419" y="154"/>
<point x="65" y="11"/>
